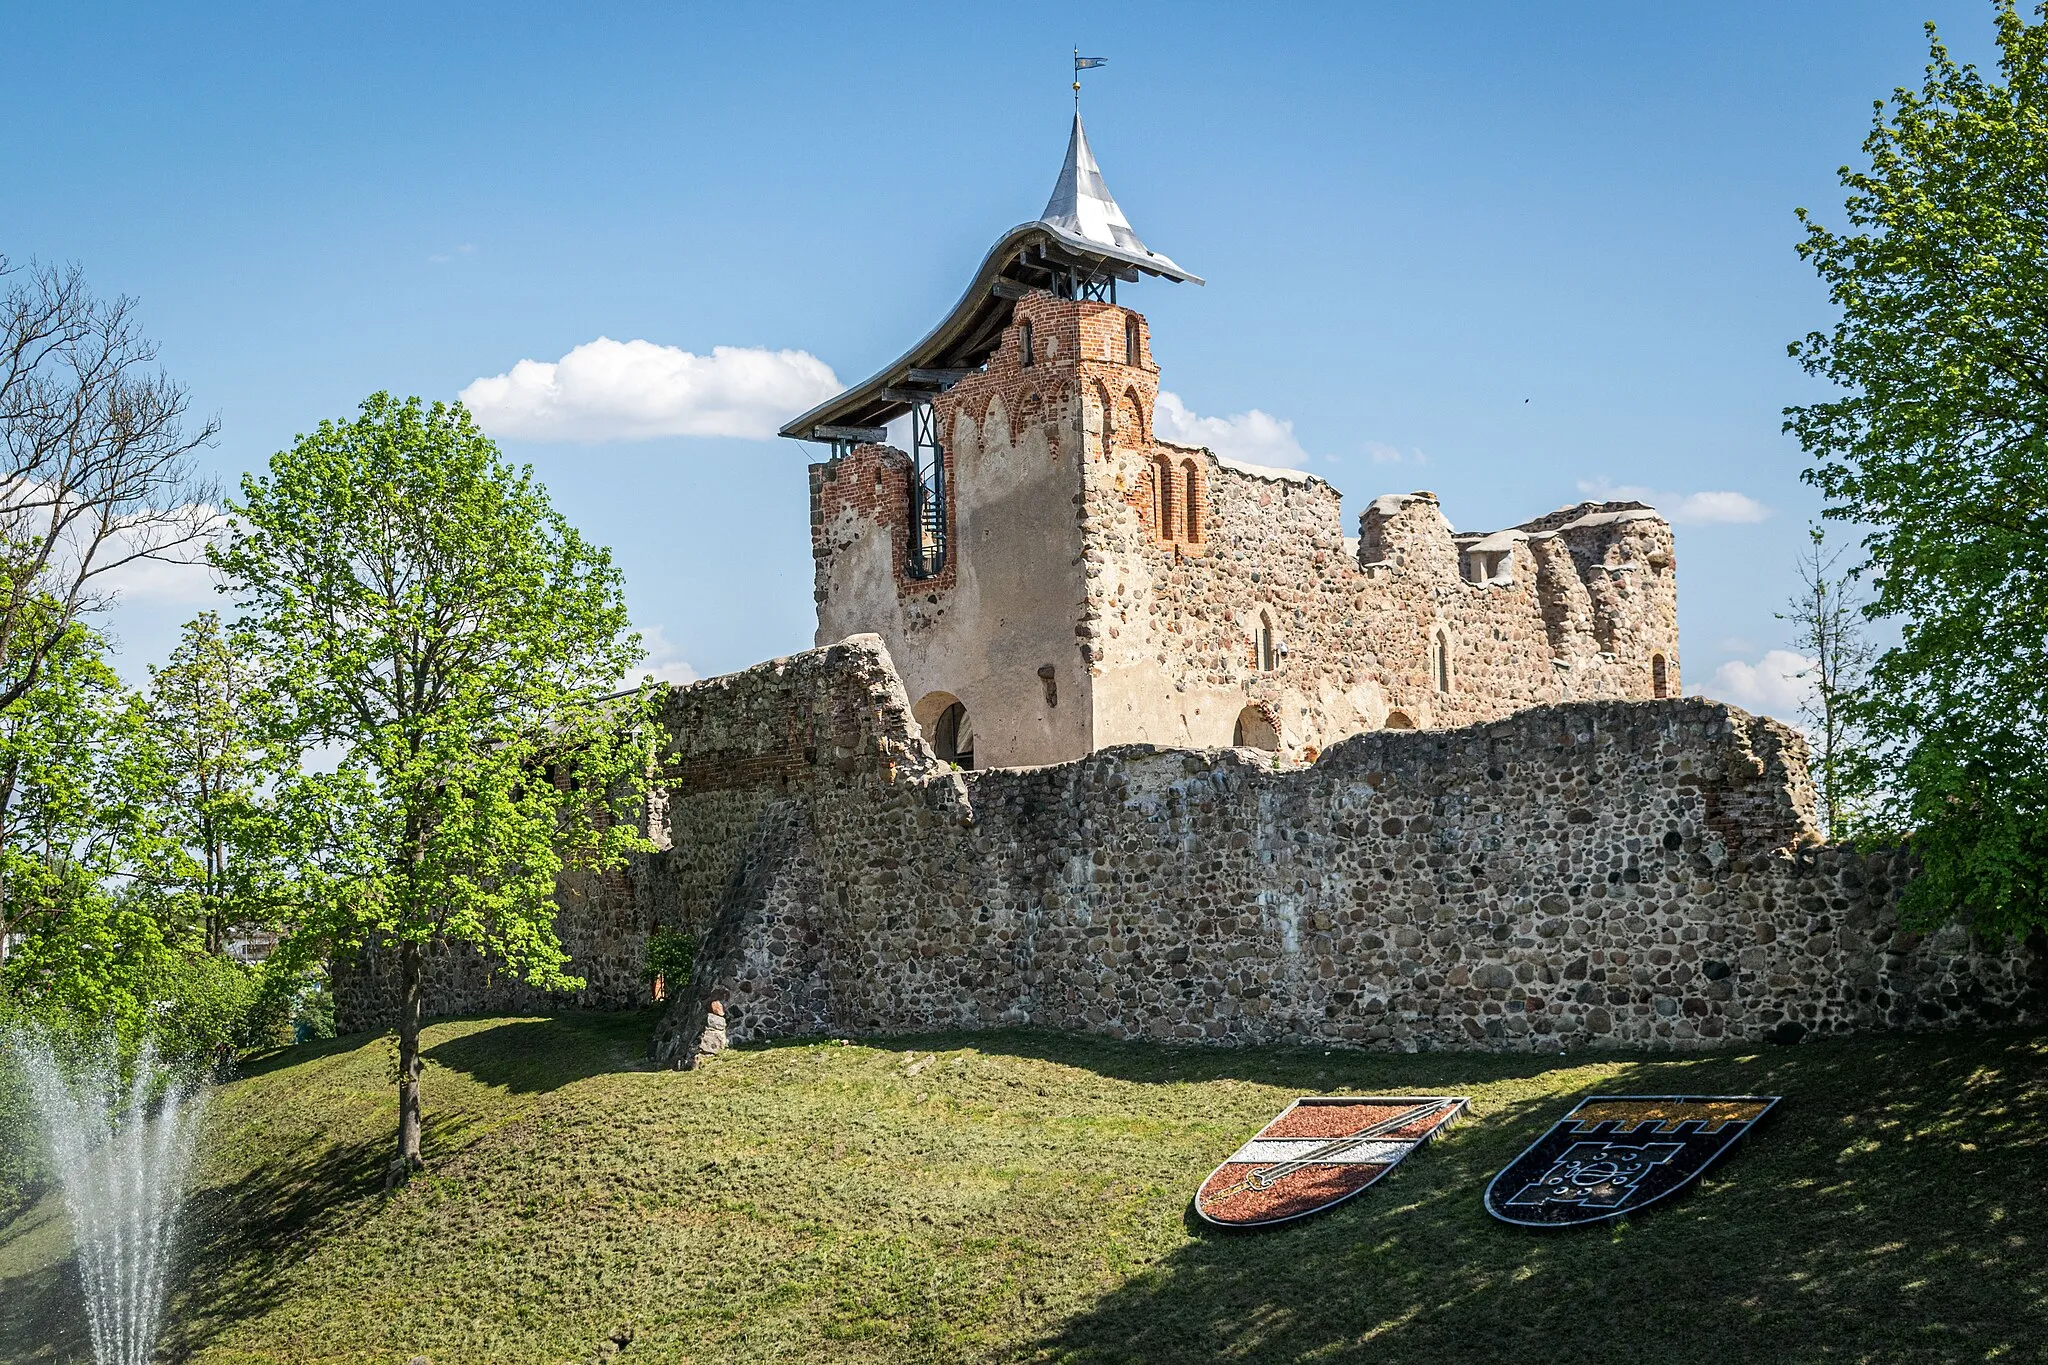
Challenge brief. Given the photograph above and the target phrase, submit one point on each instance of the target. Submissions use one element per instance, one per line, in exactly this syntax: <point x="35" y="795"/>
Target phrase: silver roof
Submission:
<point x="1083" y="209"/>
<point x="1083" y="231"/>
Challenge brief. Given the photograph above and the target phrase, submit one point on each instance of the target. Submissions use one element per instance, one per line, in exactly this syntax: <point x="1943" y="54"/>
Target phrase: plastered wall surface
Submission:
<point x="1595" y="873"/>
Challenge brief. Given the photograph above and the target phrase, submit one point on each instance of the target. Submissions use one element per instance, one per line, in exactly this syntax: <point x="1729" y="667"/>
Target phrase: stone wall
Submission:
<point x="1601" y="873"/>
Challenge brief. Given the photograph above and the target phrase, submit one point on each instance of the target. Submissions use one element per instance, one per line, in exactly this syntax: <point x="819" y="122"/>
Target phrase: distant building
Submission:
<point x="1051" y="578"/>
<point x="252" y="946"/>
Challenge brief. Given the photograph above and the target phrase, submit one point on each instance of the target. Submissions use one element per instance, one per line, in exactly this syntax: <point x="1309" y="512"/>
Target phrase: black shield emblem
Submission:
<point x="1615" y="1154"/>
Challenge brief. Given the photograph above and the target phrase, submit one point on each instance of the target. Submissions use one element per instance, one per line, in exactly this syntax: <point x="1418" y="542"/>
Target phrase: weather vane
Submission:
<point x="1084" y="64"/>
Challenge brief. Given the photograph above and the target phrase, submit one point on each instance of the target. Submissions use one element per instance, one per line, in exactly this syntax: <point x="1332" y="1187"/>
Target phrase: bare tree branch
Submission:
<point x="96" y="462"/>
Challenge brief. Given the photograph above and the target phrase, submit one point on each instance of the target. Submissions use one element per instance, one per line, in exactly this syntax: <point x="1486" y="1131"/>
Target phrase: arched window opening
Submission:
<point x="1660" y="678"/>
<point x="1398" y="720"/>
<point x="1268" y="653"/>
<point x="1130" y="341"/>
<point x="1440" y="661"/>
<point x="1030" y="358"/>
<point x="1132" y="422"/>
<point x="953" y="736"/>
<point x="1255" y="730"/>
<point x="946" y="728"/>
<point x="1192" y="500"/>
<point x="1165" y="509"/>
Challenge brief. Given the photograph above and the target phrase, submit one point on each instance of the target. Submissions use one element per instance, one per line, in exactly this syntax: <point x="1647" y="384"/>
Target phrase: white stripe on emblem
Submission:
<point x="1268" y="1150"/>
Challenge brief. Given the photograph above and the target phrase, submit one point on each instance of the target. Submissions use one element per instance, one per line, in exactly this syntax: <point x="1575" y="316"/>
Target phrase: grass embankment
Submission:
<point x="1024" y="1196"/>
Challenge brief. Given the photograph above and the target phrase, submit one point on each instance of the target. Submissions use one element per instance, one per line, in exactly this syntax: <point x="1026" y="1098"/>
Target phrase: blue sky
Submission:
<point x="1515" y="254"/>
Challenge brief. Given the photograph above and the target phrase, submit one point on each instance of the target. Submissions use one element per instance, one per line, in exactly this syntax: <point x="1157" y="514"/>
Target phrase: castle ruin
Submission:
<point x="1053" y="578"/>
<point x="1111" y="734"/>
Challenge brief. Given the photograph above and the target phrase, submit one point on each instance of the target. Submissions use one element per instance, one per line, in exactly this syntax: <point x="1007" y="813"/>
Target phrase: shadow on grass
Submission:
<point x="1858" y="1223"/>
<point x="42" y="1313"/>
<point x="531" y="1056"/>
<point x="235" y="1239"/>
<point x="277" y="1058"/>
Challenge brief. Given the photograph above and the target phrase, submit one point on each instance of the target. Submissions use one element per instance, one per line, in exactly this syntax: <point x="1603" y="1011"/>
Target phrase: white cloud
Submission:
<point x="662" y="659"/>
<point x="607" y="390"/>
<point x="1712" y="507"/>
<point x="1253" y="437"/>
<point x="181" y="580"/>
<point x="1382" y="453"/>
<point x="1724" y="506"/>
<point x="163" y="583"/>
<point x="1775" y="685"/>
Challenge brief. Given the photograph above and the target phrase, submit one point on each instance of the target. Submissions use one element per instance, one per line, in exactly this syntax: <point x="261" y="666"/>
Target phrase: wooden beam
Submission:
<point x="866" y="436"/>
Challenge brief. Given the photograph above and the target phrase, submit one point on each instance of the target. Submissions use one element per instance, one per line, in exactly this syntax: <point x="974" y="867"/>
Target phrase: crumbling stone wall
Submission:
<point x="1596" y="873"/>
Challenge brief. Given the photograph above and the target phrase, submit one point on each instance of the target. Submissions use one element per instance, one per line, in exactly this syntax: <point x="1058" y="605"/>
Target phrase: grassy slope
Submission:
<point x="1024" y="1196"/>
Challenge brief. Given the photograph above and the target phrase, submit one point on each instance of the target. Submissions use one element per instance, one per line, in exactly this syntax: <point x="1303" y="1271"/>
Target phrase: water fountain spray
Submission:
<point x="122" y="1147"/>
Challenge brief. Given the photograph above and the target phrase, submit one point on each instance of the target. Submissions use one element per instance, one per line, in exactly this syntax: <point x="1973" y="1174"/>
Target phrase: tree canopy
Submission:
<point x="1938" y="450"/>
<point x="77" y="773"/>
<point x="206" y="704"/>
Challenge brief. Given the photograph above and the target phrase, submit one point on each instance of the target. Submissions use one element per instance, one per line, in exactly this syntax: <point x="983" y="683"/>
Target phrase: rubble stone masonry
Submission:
<point x="1594" y="873"/>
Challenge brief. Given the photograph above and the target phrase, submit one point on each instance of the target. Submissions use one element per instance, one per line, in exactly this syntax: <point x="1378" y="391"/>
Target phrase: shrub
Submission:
<point x="315" y="1018"/>
<point x="670" y="956"/>
<point x="292" y="1004"/>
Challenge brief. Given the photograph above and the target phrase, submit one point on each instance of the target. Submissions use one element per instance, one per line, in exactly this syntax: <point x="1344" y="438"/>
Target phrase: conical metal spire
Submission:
<point x="1082" y="206"/>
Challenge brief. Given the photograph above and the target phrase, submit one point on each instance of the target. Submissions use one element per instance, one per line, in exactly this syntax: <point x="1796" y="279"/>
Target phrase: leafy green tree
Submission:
<point x="1939" y="449"/>
<point x="77" y="775"/>
<point x="206" y="708"/>
<point x="428" y="612"/>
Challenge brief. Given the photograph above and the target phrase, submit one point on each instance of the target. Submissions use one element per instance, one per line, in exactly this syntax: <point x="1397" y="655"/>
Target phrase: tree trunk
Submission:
<point x="409" y="1064"/>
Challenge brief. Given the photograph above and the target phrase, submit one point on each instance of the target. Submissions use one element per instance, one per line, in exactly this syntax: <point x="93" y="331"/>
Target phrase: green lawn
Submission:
<point x="1022" y="1196"/>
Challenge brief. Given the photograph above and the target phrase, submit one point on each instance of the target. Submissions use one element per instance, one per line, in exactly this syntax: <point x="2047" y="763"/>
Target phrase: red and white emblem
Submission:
<point x="1319" y="1152"/>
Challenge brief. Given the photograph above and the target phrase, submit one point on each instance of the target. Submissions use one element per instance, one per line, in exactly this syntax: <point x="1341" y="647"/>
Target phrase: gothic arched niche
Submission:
<point x="1165" y="499"/>
<point x="1194" y="501"/>
<point x="1130" y="418"/>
